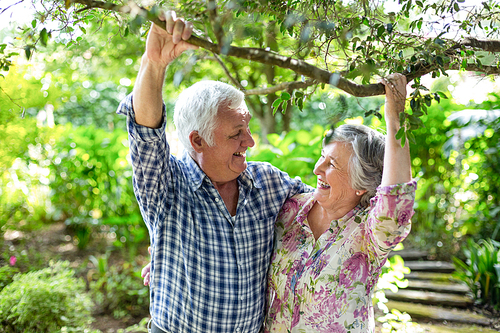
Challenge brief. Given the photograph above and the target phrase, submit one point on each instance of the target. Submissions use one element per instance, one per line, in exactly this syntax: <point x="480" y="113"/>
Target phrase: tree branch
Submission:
<point x="212" y="11"/>
<point x="235" y="82"/>
<point x="485" y="45"/>
<point x="282" y="86"/>
<point x="299" y="66"/>
<point x="6" y="8"/>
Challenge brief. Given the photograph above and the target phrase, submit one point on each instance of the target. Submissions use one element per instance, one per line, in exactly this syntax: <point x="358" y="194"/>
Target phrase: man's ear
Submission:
<point x="196" y="141"/>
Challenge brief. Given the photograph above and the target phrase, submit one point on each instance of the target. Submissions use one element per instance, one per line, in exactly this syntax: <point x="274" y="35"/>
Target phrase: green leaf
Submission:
<point x="400" y="133"/>
<point x="44" y="36"/>
<point x="33" y="24"/>
<point x="456" y="7"/>
<point x="442" y="94"/>
<point x="27" y="51"/>
<point x="428" y="100"/>
<point x="437" y="97"/>
<point x="284" y="106"/>
<point x="380" y="31"/>
<point x="285" y="96"/>
<point x="277" y="107"/>
<point x="300" y="104"/>
<point x="276" y="103"/>
<point x="411" y="137"/>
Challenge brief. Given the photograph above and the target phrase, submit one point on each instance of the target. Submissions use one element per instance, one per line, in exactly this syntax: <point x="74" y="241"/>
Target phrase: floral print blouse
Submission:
<point x="327" y="285"/>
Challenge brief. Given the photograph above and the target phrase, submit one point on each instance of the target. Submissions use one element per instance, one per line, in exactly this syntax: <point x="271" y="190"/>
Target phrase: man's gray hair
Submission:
<point x="367" y="160"/>
<point x="197" y="106"/>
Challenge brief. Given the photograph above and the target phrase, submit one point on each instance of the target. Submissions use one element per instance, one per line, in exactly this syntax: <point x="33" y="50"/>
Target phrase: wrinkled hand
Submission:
<point x="395" y="94"/>
<point x="146" y="270"/>
<point x="164" y="46"/>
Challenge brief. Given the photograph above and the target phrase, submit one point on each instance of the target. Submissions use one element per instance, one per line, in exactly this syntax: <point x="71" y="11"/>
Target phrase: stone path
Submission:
<point x="432" y="294"/>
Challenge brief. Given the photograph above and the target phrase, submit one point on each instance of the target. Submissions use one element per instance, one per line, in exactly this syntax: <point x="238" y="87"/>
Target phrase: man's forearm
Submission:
<point x="147" y="95"/>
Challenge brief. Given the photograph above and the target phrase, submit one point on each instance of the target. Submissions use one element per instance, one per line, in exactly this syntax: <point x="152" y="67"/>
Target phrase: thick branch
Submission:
<point x="282" y="86"/>
<point x="299" y="66"/>
<point x="485" y="45"/>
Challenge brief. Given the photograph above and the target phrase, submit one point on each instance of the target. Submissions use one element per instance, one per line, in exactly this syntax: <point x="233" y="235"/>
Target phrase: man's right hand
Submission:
<point x="164" y="46"/>
<point x="161" y="48"/>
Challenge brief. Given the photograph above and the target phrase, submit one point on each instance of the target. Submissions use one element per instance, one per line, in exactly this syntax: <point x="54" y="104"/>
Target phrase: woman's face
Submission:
<point x="334" y="191"/>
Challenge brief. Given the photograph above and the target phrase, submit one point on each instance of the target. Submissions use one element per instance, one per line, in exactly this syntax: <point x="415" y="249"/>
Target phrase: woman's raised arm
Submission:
<point x="397" y="162"/>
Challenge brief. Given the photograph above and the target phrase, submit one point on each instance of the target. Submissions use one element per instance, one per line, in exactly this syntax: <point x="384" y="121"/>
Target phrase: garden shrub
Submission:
<point x="118" y="289"/>
<point x="46" y="300"/>
<point x="481" y="271"/>
<point x="7" y="275"/>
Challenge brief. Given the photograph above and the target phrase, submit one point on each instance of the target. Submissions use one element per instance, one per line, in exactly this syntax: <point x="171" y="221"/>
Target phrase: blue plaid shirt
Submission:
<point x="208" y="268"/>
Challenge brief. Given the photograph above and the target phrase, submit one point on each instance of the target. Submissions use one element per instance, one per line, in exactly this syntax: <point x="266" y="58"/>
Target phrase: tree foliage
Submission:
<point x="266" y="46"/>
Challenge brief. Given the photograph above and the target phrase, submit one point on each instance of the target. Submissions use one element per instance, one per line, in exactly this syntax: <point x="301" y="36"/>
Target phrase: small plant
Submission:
<point x="7" y="275"/>
<point x="47" y="300"/>
<point x="481" y="271"/>
<point x="82" y="229"/>
<point x="118" y="289"/>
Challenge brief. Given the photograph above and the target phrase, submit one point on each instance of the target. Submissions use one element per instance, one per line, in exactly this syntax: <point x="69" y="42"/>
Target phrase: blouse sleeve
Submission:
<point x="389" y="218"/>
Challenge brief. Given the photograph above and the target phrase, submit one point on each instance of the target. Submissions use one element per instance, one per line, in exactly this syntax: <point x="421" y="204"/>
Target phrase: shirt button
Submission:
<point x="216" y="199"/>
<point x="238" y="329"/>
<point x="242" y="298"/>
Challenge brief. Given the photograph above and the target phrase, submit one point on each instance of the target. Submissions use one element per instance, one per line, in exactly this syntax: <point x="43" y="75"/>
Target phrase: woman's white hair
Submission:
<point x="367" y="159"/>
<point x="196" y="109"/>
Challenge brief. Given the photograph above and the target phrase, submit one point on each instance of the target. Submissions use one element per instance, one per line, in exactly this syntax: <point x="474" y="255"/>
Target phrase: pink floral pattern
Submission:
<point x="326" y="285"/>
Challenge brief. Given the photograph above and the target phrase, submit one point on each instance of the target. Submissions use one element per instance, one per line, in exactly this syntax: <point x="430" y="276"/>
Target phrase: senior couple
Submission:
<point x="240" y="246"/>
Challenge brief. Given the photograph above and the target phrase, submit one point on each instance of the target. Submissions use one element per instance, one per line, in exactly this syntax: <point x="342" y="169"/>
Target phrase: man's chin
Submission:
<point x="240" y="167"/>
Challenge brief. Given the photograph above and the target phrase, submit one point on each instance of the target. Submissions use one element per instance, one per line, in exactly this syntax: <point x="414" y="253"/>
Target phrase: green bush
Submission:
<point x="7" y="275"/>
<point x="481" y="271"/>
<point x="118" y="289"/>
<point x="47" y="300"/>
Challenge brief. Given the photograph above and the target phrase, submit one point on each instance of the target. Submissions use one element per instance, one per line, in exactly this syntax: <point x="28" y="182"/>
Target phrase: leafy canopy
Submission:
<point x="347" y="44"/>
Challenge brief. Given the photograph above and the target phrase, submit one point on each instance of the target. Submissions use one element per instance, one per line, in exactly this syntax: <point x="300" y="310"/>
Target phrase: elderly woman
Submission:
<point x="331" y="244"/>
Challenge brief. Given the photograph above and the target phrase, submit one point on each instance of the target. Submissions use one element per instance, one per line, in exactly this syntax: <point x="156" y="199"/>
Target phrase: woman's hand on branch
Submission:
<point x="397" y="162"/>
<point x="162" y="47"/>
<point x="395" y="97"/>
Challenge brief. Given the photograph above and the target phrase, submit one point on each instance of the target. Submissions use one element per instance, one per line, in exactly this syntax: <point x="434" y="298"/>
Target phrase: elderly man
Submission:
<point x="210" y="214"/>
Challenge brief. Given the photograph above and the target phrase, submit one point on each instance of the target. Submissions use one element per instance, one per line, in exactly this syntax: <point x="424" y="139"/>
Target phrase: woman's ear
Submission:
<point x="196" y="141"/>
<point x="360" y="192"/>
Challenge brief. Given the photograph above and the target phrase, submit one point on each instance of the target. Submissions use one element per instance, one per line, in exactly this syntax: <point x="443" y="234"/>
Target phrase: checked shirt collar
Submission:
<point x="197" y="176"/>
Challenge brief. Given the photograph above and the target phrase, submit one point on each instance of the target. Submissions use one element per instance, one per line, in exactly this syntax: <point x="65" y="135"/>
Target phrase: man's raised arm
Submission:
<point x="162" y="47"/>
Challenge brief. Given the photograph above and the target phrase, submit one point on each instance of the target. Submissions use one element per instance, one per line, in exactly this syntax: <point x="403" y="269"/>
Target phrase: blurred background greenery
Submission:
<point x="64" y="169"/>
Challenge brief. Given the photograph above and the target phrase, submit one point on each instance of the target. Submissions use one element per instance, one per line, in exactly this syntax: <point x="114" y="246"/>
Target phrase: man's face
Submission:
<point x="226" y="160"/>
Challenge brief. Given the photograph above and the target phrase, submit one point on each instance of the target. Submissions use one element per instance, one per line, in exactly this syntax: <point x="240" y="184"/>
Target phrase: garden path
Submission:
<point x="434" y="298"/>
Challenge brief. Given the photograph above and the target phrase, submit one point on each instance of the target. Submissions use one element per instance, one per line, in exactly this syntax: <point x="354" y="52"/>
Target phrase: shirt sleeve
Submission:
<point x="389" y="217"/>
<point x="149" y="152"/>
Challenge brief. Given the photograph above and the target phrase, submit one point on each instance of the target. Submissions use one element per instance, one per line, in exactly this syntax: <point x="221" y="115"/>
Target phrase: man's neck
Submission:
<point x="229" y="193"/>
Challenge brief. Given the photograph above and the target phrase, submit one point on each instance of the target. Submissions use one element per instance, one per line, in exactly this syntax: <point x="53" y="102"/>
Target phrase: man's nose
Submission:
<point x="248" y="141"/>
